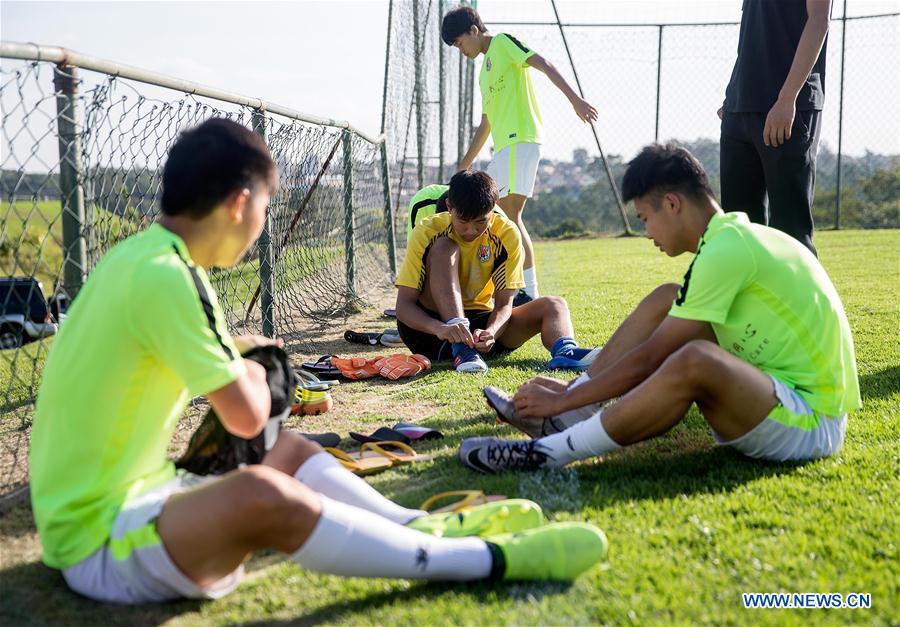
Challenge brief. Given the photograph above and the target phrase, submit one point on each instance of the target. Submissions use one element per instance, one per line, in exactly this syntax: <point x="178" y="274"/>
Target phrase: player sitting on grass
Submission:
<point x="456" y="287"/>
<point x="145" y="334"/>
<point x="755" y="335"/>
<point x="509" y="114"/>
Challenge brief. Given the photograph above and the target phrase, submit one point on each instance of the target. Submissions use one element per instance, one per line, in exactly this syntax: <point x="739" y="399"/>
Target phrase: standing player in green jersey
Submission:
<point x="144" y="335"/>
<point x="426" y="202"/>
<point x="509" y="114"/>
<point x="755" y="335"/>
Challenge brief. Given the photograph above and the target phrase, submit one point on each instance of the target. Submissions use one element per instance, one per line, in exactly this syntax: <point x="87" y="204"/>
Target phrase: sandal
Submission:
<point x="399" y="454"/>
<point x="382" y="434"/>
<point x="358" y="465"/>
<point x="471" y="498"/>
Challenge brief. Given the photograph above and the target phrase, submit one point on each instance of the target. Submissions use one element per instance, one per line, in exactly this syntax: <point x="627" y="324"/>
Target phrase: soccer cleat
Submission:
<point x="502" y="403"/>
<point x="468" y="360"/>
<point x="491" y="455"/>
<point x="557" y="552"/>
<point x="310" y="402"/>
<point x="521" y="298"/>
<point x="574" y="359"/>
<point x="391" y="337"/>
<point x="490" y="519"/>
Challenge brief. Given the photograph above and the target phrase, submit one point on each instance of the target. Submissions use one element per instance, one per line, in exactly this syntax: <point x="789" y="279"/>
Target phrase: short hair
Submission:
<point x="659" y="169"/>
<point x="460" y="21"/>
<point x="210" y="162"/>
<point x="472" y="194"/>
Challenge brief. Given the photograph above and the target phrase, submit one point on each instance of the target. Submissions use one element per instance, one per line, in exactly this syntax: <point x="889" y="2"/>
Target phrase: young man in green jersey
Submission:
<point x="756" y="335"/>
<point x="456" y="286"/>
<point x="510" y="114"/>
<point x="144" y="335"/>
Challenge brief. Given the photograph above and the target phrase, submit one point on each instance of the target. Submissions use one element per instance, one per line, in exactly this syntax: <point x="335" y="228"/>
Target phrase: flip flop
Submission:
<point x="327" y="440"/>
<point x="417" y="432"/>
<point x="471" y="498"/>
<point x="322" y="368"/>
<point x="382" y="434"/>
<point x="390" y="313"/>
<point x="358" y="465"/>
<point x="398" y="452"/>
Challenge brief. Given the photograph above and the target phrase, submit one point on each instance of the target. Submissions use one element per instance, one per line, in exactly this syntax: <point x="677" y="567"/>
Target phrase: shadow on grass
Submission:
<point x="880" y="384"/>
<point x="481" y="592"/>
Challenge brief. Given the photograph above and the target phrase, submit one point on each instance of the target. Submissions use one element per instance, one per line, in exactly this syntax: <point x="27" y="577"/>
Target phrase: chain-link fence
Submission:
<point x="653" y="82"/>
<point x="82" y="155"/>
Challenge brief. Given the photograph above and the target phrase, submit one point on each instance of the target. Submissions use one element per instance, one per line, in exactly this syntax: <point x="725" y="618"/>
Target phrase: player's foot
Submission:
<point x="502" y="403"/>
<point x="491" y="455"/>
<point x="574" y="359"/>
<point x="521" y="298"/>
<point x="468" y="360"/>
<point x="557" y="552"/>
<point x="311" y="402"/>
<point x="490" y="519"/>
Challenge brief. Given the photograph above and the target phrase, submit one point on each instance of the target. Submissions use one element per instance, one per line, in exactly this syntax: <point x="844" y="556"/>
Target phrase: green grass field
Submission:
<point x="690" y="526"/>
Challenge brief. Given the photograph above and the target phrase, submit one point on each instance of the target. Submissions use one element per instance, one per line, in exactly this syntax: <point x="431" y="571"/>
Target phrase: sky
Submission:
<point x="326" y="58"/>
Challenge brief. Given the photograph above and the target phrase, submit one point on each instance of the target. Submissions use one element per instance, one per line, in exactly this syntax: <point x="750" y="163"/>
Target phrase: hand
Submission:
<point x="246" y="342"/>
<point x="584" y="110"/>
<point x="533" y="400"/>
<point x="456" y="333"/>
<point x="779" y="123"/>
<point x="720" y="112"/>
<point x="484" y="341"/>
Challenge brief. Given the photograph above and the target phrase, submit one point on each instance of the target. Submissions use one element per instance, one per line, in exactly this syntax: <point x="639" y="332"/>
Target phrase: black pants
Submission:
<point x="772" y="185"/>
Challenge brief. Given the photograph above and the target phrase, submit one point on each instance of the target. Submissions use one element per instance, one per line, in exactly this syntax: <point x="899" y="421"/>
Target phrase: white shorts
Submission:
<point x="515" y="169"/>
<point x="792" y="431"/>
<point x="134" y="566"/>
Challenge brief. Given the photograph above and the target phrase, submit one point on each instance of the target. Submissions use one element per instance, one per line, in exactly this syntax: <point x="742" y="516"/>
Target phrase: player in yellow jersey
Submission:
<point x="509" y="114"/>
<point x="455" y="290"/>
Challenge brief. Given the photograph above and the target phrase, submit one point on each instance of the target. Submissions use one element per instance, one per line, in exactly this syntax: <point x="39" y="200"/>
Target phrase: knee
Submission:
<point x="263" y="492"/>
<point x="555" y="304"/>
<point x="443" y="252"/>
<point x="695" y="361"/>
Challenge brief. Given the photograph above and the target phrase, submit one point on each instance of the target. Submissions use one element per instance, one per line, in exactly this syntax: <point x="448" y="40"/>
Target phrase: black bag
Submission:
<point x="214" y="451"/>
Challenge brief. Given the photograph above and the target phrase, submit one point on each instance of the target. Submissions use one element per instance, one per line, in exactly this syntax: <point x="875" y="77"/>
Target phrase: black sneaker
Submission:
<point x="490" y="455"/>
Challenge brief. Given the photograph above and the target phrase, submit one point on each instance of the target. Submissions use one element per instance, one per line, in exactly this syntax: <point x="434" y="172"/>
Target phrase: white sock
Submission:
<point x="580" y="441"/>
<point x="352" y="542"/>
<point x="582" y="378"/>
<point x="322" y="473"/>
<point x="531" y="282"/>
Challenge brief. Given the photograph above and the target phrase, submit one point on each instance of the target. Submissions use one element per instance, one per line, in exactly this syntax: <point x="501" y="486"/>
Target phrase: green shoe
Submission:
<point x="556" y="552"/>
<point x="490" y="519"/>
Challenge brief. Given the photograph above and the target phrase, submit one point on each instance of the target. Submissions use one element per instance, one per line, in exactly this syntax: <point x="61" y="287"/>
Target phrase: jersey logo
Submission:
<point x="484" y="253"/>
<point x="487" y="65"/>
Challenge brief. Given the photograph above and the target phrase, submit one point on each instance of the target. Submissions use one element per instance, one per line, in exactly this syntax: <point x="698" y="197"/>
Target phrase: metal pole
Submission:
<point x="349" y="217"/>
<point x="65" y="80"/>
<point x="264" y="249"/>
<point x="389" y="212"/>
<point x="441" y="95"/>
<point x="837" y="201"/>
<point x="609" y="175"/>
<point x="461" y="113"/>
<point x="417" y="62"/>
<point x="387" y="65"/>
<point x="658" y="79"/>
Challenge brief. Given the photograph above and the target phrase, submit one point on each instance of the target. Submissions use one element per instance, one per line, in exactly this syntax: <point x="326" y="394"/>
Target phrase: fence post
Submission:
<point x="264" y="250"/>
<point x="388" y="210"/>
<point x="658" y="80"/>
<point x="349" y="217"/>
<point x="417" y="63"/>
<point x="441" y="94"/>
<point x="837" y="201"/>
<point x="71" y="176"/>
<point x="460" y="114"/>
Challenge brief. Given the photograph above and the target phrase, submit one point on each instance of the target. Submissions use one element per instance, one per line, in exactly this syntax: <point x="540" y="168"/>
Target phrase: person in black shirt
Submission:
<point x="771" y="114"/>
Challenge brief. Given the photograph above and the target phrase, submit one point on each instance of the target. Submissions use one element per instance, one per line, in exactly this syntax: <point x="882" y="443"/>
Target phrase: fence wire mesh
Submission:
<point x="328" y="246"/>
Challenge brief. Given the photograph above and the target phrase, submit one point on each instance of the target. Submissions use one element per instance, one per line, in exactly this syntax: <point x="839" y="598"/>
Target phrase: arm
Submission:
<point x="781" y="116"/>
<point x="481" y="135"/>
<point x="410" y="314"/>
<point x="583" y="109"/>
<point x="244" y="405"/>
<point x="486" y="338"/>
<point x="619" y="377"/>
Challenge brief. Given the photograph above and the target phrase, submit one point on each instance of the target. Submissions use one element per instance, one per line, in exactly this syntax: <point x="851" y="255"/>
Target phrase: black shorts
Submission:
<point x="437" y="349"/>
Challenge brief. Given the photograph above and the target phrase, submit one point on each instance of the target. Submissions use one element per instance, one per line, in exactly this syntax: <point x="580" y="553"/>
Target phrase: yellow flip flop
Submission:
<point x="398" y="452"/>
<point x="361" y="466"/>
<point x="471" y="498"/>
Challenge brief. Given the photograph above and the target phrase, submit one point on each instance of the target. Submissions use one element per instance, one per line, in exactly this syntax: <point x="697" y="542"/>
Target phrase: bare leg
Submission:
<point x="637" y="327"/>
<point x="442" y="292"/>
<point x="548" y="315"/>
<point x="732" y="395"/>
<point x="513" y="206"/>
